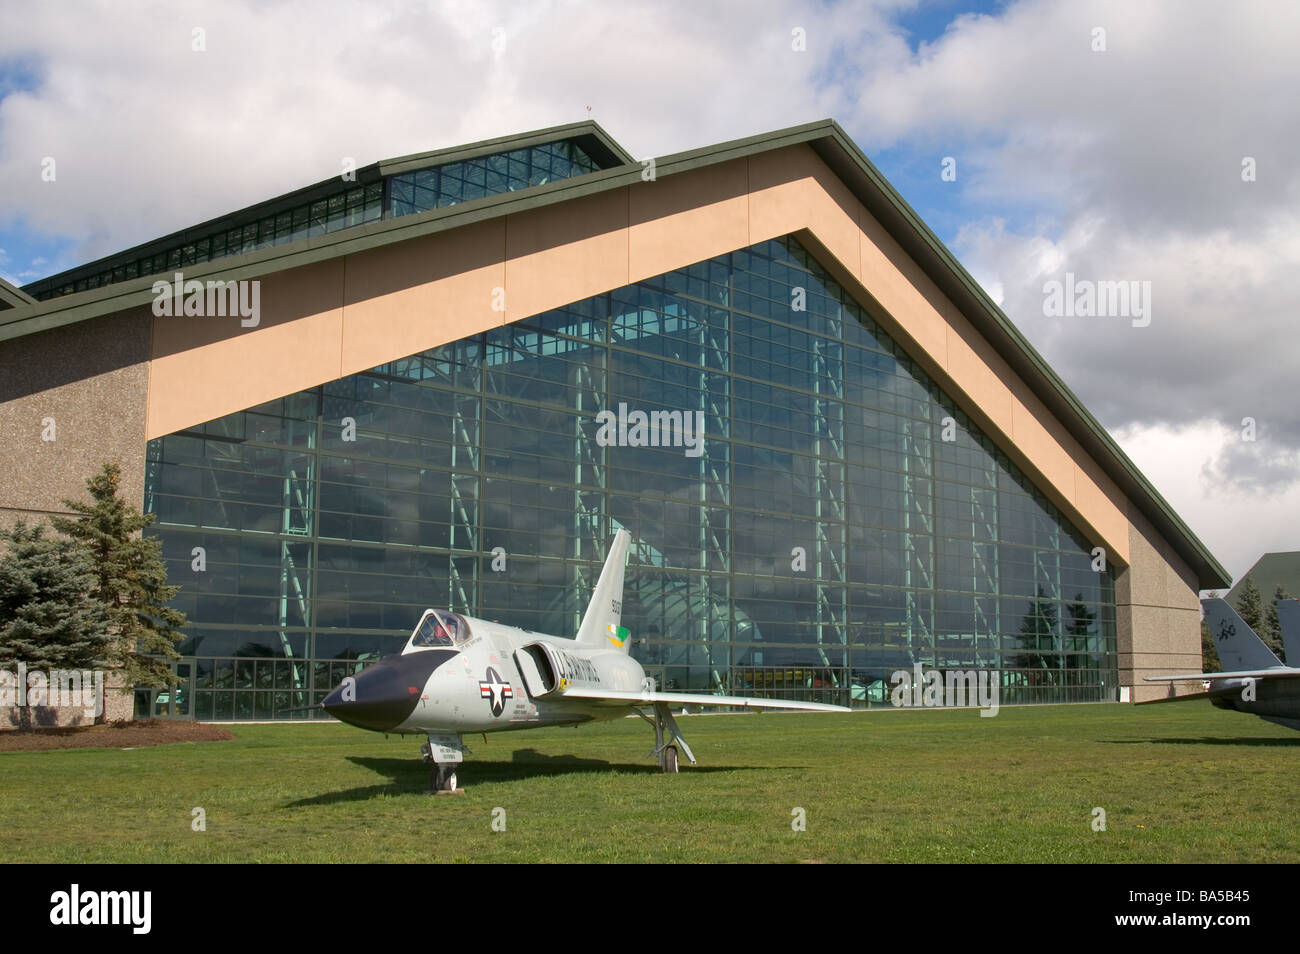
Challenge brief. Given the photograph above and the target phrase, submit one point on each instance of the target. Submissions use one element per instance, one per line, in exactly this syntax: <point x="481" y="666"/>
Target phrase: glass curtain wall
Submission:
<point x="839" y="520"/>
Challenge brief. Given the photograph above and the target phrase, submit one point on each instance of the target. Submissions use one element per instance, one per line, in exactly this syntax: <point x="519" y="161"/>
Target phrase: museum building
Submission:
<point x="445" y="380"/>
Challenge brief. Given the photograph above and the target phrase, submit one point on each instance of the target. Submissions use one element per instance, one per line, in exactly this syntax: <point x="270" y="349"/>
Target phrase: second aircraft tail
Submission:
<point x="1239" y="648"/>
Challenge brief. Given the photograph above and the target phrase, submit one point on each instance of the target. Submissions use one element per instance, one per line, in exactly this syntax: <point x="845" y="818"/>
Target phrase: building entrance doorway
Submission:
<point x="173" y="702"/>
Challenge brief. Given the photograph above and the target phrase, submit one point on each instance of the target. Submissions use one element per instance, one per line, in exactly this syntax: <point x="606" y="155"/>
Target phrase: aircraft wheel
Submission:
<point x="446" y="778"/>
<point x="670" y="760"/>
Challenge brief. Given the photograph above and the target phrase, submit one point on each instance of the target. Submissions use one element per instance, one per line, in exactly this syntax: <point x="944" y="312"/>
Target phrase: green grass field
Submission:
<point x="1185" y="783"/>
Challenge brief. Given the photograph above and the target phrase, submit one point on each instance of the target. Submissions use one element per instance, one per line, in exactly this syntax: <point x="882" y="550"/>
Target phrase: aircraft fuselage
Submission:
<point x="493" y="678"/>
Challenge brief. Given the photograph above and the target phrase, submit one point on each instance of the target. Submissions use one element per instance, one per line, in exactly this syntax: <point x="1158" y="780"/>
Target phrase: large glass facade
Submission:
<point x="840" y="519"/>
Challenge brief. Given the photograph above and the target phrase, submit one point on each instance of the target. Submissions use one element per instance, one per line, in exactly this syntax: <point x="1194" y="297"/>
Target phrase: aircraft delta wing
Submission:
<point x="1253" y="679"/>
<point x="458" y="674"/>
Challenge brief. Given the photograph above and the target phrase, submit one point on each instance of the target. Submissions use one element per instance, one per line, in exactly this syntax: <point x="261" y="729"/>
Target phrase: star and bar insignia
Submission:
<point x="495" y="691"/>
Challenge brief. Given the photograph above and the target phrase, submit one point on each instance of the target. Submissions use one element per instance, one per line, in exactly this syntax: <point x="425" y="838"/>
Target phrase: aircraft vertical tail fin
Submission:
<point x="602" y="623"/>
<point x="1288" y="617"/>
<point x="1239" y="648"/>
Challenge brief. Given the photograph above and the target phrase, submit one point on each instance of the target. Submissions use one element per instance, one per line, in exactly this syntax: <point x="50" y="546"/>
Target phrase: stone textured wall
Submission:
<point x="1158" y="614"/>
<point x="119" y="706"/>
<point x="92" y="379"/>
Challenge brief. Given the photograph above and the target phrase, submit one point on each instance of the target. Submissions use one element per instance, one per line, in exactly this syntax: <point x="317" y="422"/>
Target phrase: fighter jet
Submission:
<point x="460" y="675"/>
<point x="1253" y="680"/>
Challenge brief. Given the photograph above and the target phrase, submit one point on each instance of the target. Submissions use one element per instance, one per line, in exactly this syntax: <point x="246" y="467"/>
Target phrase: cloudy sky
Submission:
<point x="1141" y="142"/>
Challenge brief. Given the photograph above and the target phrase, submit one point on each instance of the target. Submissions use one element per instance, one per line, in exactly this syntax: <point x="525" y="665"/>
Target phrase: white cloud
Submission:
<point x="1116" y="165"/>
<point x="1238" y="524"/>
<point x="149" y="135"/>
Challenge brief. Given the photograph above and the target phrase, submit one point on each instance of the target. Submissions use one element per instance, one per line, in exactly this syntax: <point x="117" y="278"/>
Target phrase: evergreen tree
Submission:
<point x="1248" y="604"/>
<point x="1273" y="625"/>
<point x="48" y="619"/>
<point x="1209" y="651"/>
<point x="1040" y="632"/>
<point x="130" y="580"/>
<point x="1251" y="609"/>
<point x="1080" y="632"/>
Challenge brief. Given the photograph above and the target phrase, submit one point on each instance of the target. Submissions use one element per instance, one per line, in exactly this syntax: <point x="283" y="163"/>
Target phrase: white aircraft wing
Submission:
<point x="611" y="698"/>
<point x="1281" y="672"/>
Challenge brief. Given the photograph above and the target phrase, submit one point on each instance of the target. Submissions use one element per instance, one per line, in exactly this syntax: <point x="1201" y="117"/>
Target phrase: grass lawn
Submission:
<point x="1180" y="783"/>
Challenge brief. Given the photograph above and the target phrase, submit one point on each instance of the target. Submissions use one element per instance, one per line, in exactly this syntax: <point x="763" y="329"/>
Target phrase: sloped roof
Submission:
<point x="11" y="297"/>
<point x="593" y="140"/>
<point x="841" y="155"/>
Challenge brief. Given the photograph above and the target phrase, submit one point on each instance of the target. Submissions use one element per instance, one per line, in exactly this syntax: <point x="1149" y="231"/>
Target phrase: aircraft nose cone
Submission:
<point x="383" y="696"/>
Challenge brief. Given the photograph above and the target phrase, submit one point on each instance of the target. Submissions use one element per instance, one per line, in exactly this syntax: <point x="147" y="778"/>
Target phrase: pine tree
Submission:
<point x="1248" y="604"/>
<point x="130" y="580"/>
<point x="1273" y="625"/>
<point x="1081" y="630"/>
<point x="1039" y="631"/>
<point x="1209" y="651"/>
<point x="48" y="619"/>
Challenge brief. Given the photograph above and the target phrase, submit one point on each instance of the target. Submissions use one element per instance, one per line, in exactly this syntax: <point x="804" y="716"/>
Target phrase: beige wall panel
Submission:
<point x="789" y="188"/>
<point x="1035" y="442"/>
<point x="416" y="295"/>
<point x="903" y="289"/>
<point x="1123" y="591"/>
<point x="204" y="368"/>
<point x="1148" y="583"/>
<point x="91" y="378"/>
<point x="1158" y="614"/>
<point x="688" y="217"/>
<point x="1149" y="691"/>
<point x="970" y="362"/>
<point x="552" y="260"/>
<point x="1160" y="663"/>
<point x="1154" y="631"/>
<point x="404" y="298"/>
<point x="1181" y="586"/>
<point x="1096" y="494"/>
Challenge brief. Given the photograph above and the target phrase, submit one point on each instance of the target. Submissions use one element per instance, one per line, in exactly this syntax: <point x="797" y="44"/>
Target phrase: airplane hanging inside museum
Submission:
<point x="1254" y="680"/>
<point x="458" y="675"/>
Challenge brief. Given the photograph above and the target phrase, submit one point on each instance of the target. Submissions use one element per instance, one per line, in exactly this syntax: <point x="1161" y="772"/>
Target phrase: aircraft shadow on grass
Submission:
<point x="1207" y="740"/>
<point x="411" y="776"/>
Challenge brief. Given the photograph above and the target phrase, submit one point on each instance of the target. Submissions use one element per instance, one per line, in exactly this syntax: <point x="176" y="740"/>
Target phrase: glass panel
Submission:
<point x="801" y="529"/>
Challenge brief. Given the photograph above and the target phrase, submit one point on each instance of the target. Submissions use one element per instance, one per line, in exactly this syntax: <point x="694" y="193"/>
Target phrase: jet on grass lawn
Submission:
<point x="457" y="674"/>
<point x="1253" y="680"/>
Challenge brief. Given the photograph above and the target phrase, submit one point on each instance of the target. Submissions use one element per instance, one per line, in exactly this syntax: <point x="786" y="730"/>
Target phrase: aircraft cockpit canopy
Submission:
<point x="440" y="629"/>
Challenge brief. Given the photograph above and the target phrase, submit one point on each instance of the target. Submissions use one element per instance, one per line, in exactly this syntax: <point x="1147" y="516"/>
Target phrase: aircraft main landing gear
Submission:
<point x="668" y="761"/>
<point x="668" y="738"/>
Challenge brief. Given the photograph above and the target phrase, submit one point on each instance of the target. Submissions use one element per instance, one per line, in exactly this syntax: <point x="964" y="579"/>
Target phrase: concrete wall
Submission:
<point x="1157" y="614"/>
<point x="92" y="379"/>
<point x="119" y="706"/>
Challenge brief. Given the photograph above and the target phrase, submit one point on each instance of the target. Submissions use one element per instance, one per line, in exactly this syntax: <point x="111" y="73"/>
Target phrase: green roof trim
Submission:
<point x="587" y="134"/>
<point x="594" y="140"/>
<point x="11" y="297"/>
<point x="825" y="137"/>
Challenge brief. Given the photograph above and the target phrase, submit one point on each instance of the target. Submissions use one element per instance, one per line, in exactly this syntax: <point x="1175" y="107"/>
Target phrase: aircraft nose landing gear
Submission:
<point x="443" y="754"/>
<point x="668" y="738"/>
